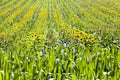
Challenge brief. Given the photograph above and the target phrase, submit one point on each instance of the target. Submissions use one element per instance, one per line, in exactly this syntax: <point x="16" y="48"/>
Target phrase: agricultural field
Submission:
<point x="59" y="39"/>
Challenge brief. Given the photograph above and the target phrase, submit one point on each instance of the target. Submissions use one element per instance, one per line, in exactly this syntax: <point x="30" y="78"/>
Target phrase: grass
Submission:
<point x="59" y="40"/>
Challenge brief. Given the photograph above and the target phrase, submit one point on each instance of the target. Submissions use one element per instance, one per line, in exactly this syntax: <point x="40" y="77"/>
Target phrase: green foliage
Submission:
<point x="60" y="40"/>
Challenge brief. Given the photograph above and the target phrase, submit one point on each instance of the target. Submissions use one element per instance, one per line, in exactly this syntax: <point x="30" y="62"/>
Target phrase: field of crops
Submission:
<point x="59" y="39"/>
